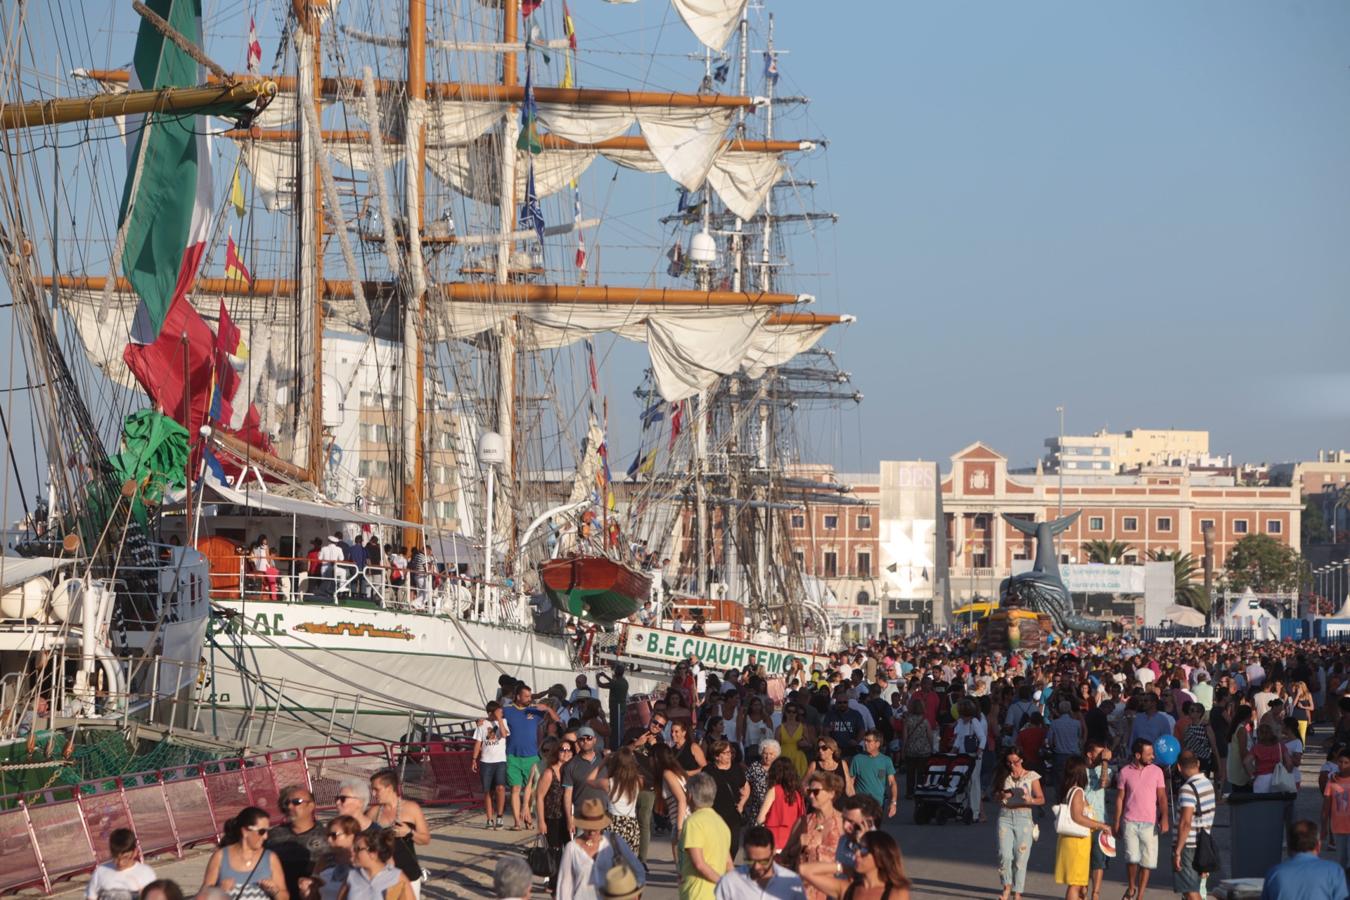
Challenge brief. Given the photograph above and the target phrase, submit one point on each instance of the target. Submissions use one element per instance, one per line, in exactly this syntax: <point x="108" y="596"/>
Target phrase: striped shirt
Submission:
<point x="1197" y="794"/>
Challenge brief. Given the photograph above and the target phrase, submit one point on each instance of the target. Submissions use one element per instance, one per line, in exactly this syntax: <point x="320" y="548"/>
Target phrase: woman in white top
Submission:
<point x="1017" y="790"/>
<point x="621" y="779"/>
<point x="1294" y="745"/>
<point x="756" y="726"/>
<point x="588" y="856"/>
<point x="971" y="736"/>
<point x="265" y="564"/>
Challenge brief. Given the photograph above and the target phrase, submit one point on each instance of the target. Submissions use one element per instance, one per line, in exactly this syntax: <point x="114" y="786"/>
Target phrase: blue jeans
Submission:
<point x="1014" y="847"/>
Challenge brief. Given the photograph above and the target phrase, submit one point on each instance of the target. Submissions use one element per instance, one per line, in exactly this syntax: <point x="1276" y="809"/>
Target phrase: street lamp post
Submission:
<point x="1060" y="464"/>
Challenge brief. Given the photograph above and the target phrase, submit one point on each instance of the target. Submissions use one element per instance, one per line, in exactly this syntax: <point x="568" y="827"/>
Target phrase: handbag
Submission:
<point x="1206" y="858"/>
<point x="1282" y="780"/>
<point x="540" y="860"/>
<point x="1064" y="821"/>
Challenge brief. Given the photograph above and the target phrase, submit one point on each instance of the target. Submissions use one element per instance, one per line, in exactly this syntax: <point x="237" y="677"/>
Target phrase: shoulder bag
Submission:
<point x="1206" y="859"/>
<point x="1064" y="820"/>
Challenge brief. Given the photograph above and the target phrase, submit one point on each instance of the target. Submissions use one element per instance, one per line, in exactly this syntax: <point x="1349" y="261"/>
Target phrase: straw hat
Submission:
<point x="621" y="883"/>
<point x="593" y="816"/>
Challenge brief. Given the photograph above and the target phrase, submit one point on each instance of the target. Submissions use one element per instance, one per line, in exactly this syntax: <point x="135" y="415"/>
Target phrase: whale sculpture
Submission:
<point x="1041" y="590"/>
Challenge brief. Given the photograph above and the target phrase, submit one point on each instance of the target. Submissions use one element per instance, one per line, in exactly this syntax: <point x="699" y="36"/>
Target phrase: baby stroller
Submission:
<point x="941" y="795"/>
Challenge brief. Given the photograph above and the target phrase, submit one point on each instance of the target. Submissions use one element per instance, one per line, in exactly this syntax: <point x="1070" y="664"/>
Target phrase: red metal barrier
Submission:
<point x="328" y="766"/>
<point x="438" y="773"/>
<point x="56" y="833"/>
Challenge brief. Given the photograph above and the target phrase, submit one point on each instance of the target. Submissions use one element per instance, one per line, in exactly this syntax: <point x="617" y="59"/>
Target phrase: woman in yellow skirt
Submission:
<point x="794" y="734"/>
<point x="1073" y="854"/>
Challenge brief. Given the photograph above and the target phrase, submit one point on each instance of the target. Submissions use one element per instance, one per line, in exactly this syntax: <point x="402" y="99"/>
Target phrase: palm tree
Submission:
<point x="1184" y="569"/>
<point x="1106" y="552"/>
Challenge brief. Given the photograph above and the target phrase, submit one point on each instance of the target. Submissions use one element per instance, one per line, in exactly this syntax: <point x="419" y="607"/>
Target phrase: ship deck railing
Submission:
<point x="372" y="587"/>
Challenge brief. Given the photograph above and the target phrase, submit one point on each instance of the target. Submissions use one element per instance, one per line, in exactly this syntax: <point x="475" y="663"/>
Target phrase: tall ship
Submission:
<point x="299" y="341"/>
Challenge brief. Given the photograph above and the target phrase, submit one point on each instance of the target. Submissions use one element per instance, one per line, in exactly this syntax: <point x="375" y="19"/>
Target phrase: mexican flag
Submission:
<point x="167" y="209"/>
<point x="166" y="204"/>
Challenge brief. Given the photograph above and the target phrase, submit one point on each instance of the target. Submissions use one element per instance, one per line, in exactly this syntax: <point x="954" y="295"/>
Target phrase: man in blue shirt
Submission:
<point x="522" y="744"/>
<point x="1303" y="876"/>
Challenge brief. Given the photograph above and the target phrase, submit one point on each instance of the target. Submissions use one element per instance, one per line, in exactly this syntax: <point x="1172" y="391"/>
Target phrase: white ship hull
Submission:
<point x="339" y="672"/>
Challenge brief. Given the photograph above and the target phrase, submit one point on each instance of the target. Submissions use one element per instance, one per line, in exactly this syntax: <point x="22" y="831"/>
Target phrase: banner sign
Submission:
<point x="712" y="653"/>
<point x="1093" y="578"/>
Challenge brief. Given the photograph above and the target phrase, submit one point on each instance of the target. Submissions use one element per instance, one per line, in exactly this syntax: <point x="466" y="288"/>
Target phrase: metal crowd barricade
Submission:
<point x="438" y="773"/>
<point x="50" y="835"/>
<point x="329" y="765"/>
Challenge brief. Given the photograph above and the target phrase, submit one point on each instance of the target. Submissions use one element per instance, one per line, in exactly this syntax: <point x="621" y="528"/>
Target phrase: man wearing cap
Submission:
<point x="330" y="554"/>
<point x="577" y="788"/>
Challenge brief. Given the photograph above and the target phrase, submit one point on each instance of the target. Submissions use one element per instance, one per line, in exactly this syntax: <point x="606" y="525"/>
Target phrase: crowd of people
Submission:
<point x="1114" y="745"/>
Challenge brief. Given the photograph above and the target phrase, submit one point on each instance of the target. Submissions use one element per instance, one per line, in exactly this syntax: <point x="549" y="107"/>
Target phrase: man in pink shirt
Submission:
<point x="1141" y="802"/>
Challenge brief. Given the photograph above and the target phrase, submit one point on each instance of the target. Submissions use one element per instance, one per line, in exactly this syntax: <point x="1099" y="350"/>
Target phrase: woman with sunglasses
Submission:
<point x="828" y="759"/>
<point x="795" y="737"/>
<point x="815" y="837"/>
<point x="327" y="884"/>
<point x="549" y="805"/>
<point x="375" y="875"/>
<point x="878" y="873"/>
<point x="242" y="866"/>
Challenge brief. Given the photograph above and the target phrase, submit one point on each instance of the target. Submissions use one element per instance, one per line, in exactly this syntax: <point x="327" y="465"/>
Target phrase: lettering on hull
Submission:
<point x="711" y="652"/>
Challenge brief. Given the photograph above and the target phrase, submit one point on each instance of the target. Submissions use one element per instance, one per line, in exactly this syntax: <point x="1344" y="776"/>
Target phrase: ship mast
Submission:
<point x="506" y="337"/>
<point x="414" y="363"/>
<point x="308" y="450"/>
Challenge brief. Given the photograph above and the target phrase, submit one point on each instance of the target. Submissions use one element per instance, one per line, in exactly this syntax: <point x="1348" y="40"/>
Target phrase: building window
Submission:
<point x="799" y="559"/>
<point x="1274" y="526"/>
<point x="978" y="560"/>
<point x="445" y="440"/>
<point x="981" y="523"/>
<point x="798" y="520"/>
<point x="373" y="468"/>
<point x="1164" y="523"/>
<point x="1239" y="526"/>
<point x="1129" y="523"/>
<point x="1131" y="559"/>
<point x="1206" y="525"/>
<point x="375" y="432"/>
<point x="831" y="564"/>
<point x="864" y="523"/>
<point x="1096" y="523"/>
<point x="831" y="523"/>
<point x="864" y="564"/>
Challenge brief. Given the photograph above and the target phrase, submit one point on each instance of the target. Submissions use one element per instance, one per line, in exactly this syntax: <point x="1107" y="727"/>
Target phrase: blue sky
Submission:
<point x="1140" y="210"/>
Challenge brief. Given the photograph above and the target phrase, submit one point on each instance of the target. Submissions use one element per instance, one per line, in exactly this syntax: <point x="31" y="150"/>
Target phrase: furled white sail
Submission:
<point x="472" y="172"/>
<point x="686" y="141"/>
<point x="743" y="180"/>
<point x="689" y="347"/>
<point x="586" y="124"/>
<point x="774" y="345"/>
<point x="711" y="21"/>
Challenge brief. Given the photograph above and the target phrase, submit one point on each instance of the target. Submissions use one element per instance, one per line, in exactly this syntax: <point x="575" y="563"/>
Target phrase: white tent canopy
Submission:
<point x="1247" y="612"/>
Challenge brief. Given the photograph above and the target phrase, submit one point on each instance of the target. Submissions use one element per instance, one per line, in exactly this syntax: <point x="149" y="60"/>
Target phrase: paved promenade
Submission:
<point x="949" y="861"/>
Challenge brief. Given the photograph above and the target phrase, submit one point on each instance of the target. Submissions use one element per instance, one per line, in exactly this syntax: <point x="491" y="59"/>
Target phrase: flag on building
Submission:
<point x="234" y="266"/>
<point x="254" y="49"/>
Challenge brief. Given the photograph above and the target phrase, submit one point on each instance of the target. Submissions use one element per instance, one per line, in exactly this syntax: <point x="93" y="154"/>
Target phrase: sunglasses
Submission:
<point x="298" y="801"/>
<point x="864" y="851"/>
<point x="587" y="738"/>
<point x="334" y="835"/>
<point x="566" y="750"/>
<point x="260" y="831"/>
<point x="341" y="797"/>
<point x="813" y="791"/>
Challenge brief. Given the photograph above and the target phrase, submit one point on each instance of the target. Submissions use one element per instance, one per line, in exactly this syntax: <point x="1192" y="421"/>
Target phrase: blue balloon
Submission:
<point x="1166" y="749"/>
